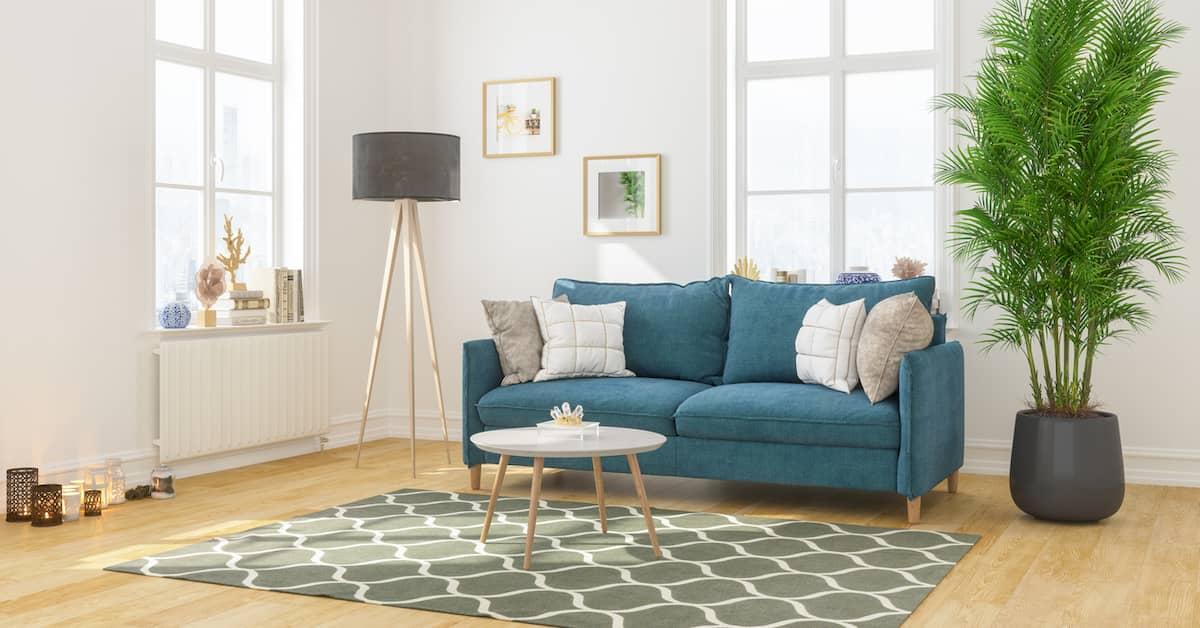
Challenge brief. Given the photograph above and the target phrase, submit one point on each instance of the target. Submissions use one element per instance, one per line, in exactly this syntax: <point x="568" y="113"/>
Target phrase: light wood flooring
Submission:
<point x="1142" y="567"/>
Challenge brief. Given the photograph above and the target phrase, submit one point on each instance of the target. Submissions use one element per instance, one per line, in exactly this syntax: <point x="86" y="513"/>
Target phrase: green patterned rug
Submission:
<point x="420" y="549"/>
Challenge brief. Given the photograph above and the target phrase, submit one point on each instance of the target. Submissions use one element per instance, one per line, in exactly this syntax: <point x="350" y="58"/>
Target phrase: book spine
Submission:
<point x="251" y="304"/>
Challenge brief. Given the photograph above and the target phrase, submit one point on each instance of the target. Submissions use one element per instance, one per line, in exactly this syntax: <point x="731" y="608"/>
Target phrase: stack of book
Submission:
<point x="284" y="290"/>
<point x="249" y="307"/>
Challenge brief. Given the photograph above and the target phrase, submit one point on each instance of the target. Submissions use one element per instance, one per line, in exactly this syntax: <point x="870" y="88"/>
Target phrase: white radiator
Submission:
<point x="226" y="393"/>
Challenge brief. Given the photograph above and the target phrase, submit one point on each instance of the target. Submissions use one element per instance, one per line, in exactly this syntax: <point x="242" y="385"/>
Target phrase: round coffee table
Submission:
<point x="611" y="441"/>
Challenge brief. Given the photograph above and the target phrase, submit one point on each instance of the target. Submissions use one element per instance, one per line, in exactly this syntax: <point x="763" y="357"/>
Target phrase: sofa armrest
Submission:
<point x="931" y="417"/>
<point x="481" y="373"/>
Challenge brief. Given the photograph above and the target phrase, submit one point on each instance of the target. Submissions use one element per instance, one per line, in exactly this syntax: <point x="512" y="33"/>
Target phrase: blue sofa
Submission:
<point x="716" y="375"/>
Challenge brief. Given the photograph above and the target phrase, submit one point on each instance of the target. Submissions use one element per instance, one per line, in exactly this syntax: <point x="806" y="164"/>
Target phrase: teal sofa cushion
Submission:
<point x="640" y="402"/>
<point x="764" y="318"/>
<point x="671" y="331"/>
<point x="805" y="414"/>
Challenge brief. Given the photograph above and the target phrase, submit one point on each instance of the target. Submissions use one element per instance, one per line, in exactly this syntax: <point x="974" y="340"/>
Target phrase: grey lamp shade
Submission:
<point x="393" y="165"/>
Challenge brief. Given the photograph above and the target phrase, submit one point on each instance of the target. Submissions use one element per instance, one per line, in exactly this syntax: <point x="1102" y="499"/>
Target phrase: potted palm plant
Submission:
<point x="1069" y="226"/>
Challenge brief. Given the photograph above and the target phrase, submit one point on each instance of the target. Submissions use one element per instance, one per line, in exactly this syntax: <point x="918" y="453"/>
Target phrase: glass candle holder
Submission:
<point x="95" y="477"/>
<point x="71" y="502"/>
<point x="47" y="505"/>
<point x="21" y="482"/>
<point x="162" y="482"/>
<point x="116" y="481"/>
<point x="92" y="502"/>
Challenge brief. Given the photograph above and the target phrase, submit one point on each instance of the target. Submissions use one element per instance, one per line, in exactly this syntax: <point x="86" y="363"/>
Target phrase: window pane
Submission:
<point x="787" y="134"/>
<point x="874" y="26"/>
<point x="789" y="232"/>
<point x="244" y="29"/>
<point x="179" y="124"/>
<point x="889" y="129"/>
<point x="178" y="226"/>
<point x="252" y="214"/>
<point x="786" y="29"/>
<point x="881" y="226"/>
<point x="180" y="22"/>
<point x="244" y="132"/>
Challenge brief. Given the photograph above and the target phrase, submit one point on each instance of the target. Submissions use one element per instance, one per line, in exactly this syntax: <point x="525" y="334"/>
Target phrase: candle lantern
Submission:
<point x="95" y="477"/>
<point x="162" y="482"/>
<point x="116" y="481"/>
<point x="92" y="502"/>
<point x="47" y="505"/>
<point x="20" y="493"/>
<point x="71" y="502"/>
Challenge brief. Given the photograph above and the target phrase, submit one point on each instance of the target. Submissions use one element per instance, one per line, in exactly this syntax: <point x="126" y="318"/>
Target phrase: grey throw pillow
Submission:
<point x="895" y="326"/>
<point x="518" y="340"/>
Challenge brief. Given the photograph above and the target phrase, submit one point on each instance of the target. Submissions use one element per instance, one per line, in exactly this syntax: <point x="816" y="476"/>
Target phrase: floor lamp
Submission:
<point x="406" y="168"/>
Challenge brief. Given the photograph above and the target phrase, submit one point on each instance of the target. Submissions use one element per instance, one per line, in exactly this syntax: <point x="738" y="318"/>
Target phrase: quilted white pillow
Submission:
<point x="827" y="344"/>
<point x="581" y="340"/>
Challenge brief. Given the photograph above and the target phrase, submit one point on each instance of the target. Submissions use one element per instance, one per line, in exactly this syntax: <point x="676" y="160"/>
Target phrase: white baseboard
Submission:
<point x="1143" y="465"/>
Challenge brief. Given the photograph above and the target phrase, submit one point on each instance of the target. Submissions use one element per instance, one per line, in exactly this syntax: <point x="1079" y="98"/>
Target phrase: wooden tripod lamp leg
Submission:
<point x="389" y="267"/>
<point x="414" y="226"/>
<point x="410" y="210"/>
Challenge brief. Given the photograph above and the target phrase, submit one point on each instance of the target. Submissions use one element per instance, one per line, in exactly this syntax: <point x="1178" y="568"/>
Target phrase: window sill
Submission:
<point x="241" y="330"/>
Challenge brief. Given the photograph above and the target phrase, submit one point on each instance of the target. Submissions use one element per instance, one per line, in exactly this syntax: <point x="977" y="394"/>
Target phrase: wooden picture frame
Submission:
<point x="520" y="117"/>
<point x="622" y="195"/>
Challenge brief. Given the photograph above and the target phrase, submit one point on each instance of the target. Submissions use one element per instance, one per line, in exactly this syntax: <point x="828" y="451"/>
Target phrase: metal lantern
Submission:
<point x="21" y="482"/>
<point x="95" y="477"/>
<point x="91" y="502"/>
<point x="47" y="505"/>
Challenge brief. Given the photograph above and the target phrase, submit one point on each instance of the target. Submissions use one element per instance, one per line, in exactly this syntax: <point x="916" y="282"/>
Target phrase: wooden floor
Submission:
<point x="1141" y="567"/>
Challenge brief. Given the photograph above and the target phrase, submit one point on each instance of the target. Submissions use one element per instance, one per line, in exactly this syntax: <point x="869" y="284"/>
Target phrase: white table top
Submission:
<point x="523" y="441"/>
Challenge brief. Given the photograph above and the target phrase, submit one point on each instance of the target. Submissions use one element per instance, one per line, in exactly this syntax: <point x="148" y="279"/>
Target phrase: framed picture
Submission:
<point x="622" y="195"/>
<point x="520" y="118"/>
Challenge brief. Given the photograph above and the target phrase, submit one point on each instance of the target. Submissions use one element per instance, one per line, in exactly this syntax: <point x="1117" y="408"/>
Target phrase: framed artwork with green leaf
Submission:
<point x="622" y="195"/>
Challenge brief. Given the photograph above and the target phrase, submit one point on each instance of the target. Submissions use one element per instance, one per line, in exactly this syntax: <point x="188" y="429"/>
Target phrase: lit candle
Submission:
<point x="47" y="505"/>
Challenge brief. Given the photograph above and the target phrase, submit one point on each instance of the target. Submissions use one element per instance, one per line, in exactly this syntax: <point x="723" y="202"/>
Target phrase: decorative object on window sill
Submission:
<point x="800" y="275"/>
<point x="175" y="315"/>
<point x="95" y="477"/>
<point x="116" y="481"/>
<point x="234" y="256"/>
<point x="92" y="506"/>
<point x="141" y="491"/>
<point x="858" y="274"/>
<point x="566" y="415"/>
<point x="622" y="195"/>
<point x="406" y="168"/>
<point x="520" y="118"/>
<point x="210" y="285"/>
<point x="745" y="267"/>
<point x="162" y="482"/>
<point x="20" y="484"/>
<point x="72" y="501"/>
<point x="47" y="505"/>
<point x="907" y="268"/>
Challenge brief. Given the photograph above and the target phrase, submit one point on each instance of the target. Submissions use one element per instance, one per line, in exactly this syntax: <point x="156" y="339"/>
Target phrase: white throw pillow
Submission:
<point x="581" y="340"/>
<point x="827" y="344"/>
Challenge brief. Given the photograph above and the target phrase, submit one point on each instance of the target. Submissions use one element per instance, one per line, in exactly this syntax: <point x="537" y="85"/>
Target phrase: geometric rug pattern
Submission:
<point x="420" y="549"/>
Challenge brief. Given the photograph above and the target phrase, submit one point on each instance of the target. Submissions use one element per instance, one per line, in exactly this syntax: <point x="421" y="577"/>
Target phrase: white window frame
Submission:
<point x="732" y="173"/>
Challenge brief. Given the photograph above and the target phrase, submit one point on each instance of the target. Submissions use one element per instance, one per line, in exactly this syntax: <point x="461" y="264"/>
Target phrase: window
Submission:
<point x="832" y="134"/>
<point x="220" y="105"/>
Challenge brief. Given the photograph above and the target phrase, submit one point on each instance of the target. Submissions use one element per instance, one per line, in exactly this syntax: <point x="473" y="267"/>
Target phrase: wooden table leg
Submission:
<point x="599" y="475"/>
<point x="535" y="493"/>
<point x="641" y="491"/>
<point x="487" y="519"/>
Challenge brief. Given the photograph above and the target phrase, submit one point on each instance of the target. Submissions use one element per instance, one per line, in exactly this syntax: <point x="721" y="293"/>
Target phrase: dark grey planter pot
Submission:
<point x="1066" y="469"/>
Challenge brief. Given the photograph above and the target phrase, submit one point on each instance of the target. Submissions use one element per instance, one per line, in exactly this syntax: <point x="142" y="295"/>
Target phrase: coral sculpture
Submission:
<point x="234" y="256"/>
<point x="210" y="283"/>
<point x="745" y="267"/>
<point x="907" y="268"/>
<point x="567" y="416"/>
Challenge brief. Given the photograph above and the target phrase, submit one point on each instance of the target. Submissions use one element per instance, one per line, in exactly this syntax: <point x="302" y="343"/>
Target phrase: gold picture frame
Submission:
<point x="505" y="133"/>
<point x="603" y="214"/>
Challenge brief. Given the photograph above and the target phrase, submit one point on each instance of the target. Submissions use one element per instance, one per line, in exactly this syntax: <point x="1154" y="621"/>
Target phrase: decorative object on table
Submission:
<point x="568" y="422"/>
<point x="93" y="502"/>
<point x="18" y="495"/>
<point x="162" y="482"/>
<point x="827" y="344"/>
<point x="142" y="491"/>
<point x="622" y="195"/>
<point x="175" y="315"/>
<point x="406" y="168"/>
<point x="1060" y="300"/>
<point x="907" y="268"/>
<point x="581" y="340"/>
<point x="895" y="326"/>
<point x="95" y="476"/>
<point x="857" y="275"/>
<point x="520" y="117"/>
<point x="210" y="285"/>
<point x="745" y="267"/>
<point x="116" y="481"/>
<point x="234" y="257"/>
<point x="566" y="415"/>
<point x="72" y="501"/>
<point x="46" y="505"/>
<point x="518" y="340"/>
<point x="282" y="290"/>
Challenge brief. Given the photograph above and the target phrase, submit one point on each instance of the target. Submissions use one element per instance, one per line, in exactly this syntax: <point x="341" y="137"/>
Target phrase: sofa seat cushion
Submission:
<point x="807" y="414"/>
<point x="639" y="402"/>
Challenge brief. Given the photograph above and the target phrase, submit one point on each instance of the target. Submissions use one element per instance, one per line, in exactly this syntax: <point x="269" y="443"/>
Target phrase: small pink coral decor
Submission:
<point x="907" y="268"/>
<point x="210" y="285"/>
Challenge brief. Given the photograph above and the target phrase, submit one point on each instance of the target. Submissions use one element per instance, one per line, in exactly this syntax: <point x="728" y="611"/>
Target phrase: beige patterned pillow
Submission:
<point x="895" y="326"/>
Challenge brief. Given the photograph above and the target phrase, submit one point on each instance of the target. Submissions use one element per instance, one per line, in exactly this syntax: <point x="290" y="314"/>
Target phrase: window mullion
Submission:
<point x="740" y="131"/>
<point x="837" y="140"/>
<point x="277" y="157"/>
<point x="209" y="131"/>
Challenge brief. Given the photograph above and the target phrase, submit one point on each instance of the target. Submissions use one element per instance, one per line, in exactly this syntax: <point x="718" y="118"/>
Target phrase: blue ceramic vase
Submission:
<point x="856" y="277"/>
<point x="175" y="315"/>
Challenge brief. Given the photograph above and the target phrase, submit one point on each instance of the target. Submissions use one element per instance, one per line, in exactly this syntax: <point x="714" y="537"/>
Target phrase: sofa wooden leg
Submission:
<point x="914" y="510"/>
<point x="952" y="482"/>
<point x="476" y="476"/>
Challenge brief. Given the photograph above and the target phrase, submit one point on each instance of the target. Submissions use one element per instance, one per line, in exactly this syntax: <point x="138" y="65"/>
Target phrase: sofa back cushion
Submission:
<point x="764" y="318"/>
<point x="671" y="331"/>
